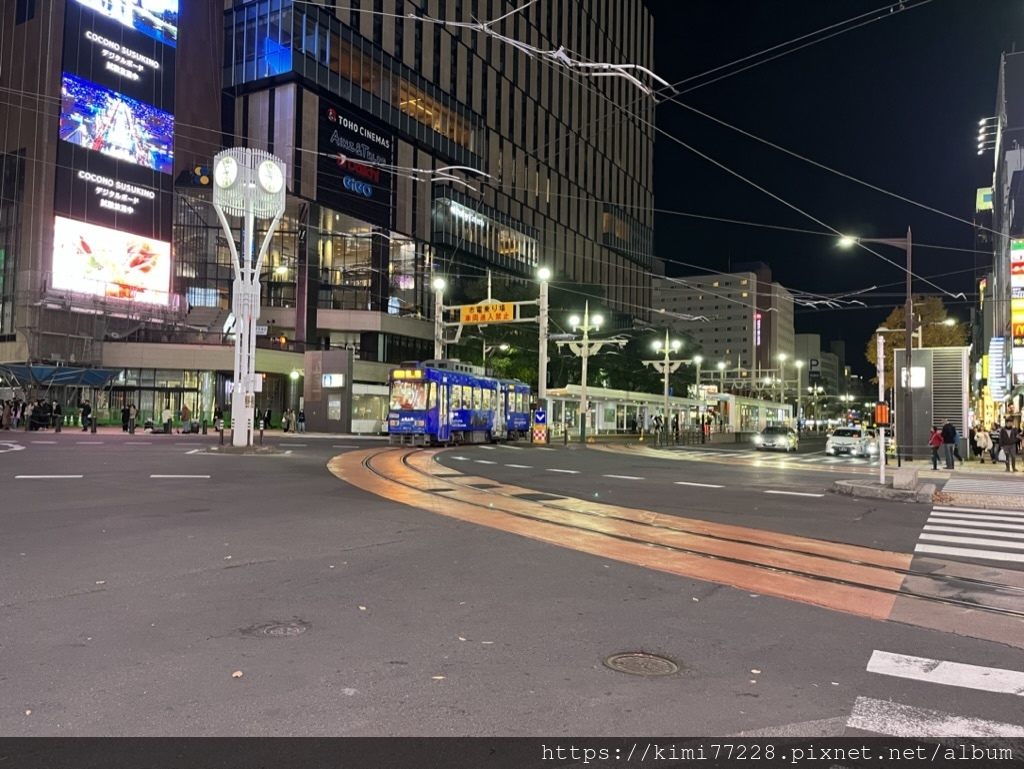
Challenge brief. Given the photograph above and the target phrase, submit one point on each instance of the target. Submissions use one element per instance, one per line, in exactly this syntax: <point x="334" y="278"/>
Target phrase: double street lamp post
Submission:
<point x="584" y="349"/>
<point x="666" y="366"/>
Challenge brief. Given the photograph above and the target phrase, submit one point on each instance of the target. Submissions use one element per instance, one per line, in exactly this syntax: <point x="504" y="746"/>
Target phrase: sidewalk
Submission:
<point x="110" y="430"/>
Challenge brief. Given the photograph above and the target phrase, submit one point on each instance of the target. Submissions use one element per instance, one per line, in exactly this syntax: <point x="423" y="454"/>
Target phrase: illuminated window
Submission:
<point x="715" y="284"/>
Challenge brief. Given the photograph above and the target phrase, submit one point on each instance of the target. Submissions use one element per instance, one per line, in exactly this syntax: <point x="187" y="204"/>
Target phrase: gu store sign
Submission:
<point x="352" y="170"/>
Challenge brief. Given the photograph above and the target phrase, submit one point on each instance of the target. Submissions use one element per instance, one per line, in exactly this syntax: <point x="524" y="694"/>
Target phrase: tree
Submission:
<point x="930" y="314"/>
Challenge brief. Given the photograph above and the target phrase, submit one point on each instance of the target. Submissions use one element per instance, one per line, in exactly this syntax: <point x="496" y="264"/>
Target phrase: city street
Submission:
<point x="155" y="589"/>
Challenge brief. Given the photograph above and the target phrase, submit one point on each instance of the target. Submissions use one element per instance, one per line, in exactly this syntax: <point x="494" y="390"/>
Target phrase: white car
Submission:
<point x="852" y="441"/>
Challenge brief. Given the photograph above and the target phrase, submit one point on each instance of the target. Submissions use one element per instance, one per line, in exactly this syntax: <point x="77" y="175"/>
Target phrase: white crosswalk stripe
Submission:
<point x="974" y="534"/>
<point x="959" y="485"/>
<point x="1002" y="689"/>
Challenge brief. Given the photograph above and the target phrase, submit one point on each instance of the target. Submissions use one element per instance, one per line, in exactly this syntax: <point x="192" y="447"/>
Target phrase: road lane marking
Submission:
<point x="973" y="522"/>
<point x="959" y="529"/>
<point x="43" y="477"/>
<point x="896" y="720"/>
<point x="971" y="541"/>
<point x="521" y="467"/>
<point x="142" y="443"/>
<point x="990" y="510"/>
<point x="294" y="444"/>
<point x="344" y="447"/>
<point x="516" y="448"/>
<point x="484" y="462"/>
<point x="179" y="476"/>
<point x="44" y="441"/>
<point x="89" y="443"/>
<point x="794" y="493"/>
<point x="544" y="448"/>
<point x="996" y="516"/>
<point x="966" y="552"/>
<point x="702" y="485"/>
<point x="488" y="448"/>
<point x="570" y="472"/>
<point x="947" y="673"/>
<point x="626" y="477"/>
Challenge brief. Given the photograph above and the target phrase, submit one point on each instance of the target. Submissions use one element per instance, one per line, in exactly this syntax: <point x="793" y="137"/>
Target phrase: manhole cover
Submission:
<point x="640" y="664"/>
<point x="278" y="629"/>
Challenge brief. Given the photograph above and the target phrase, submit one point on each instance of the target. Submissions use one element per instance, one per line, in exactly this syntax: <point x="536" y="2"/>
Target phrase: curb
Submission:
<point x="874" y="490"/>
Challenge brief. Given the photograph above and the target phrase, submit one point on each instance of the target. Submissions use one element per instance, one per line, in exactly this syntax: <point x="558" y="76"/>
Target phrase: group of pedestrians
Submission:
<point x="1000" y="444"/>
<point x="31" y="415"/>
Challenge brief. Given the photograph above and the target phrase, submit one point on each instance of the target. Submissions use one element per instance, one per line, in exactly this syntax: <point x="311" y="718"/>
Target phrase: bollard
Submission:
<point x="261" y="432"/>
<point x="204" y="427"/>
<point x="222" y="435"/>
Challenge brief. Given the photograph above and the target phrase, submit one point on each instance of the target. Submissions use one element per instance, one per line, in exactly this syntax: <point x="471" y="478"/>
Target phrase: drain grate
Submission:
<point x="277" y="629"/>
<point x="642" y="664"/>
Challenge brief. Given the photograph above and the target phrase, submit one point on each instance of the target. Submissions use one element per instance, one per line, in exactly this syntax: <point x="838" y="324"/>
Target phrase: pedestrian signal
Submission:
<point x="201" y="176"/>
<point x="882" y="414"/>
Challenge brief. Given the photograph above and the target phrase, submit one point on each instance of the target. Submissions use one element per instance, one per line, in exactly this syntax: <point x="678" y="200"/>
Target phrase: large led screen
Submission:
<point x="156" y="18"/>
<point x="105" y="121"/>
<point x="104" y="52"/>
<point x="105" y="262"/>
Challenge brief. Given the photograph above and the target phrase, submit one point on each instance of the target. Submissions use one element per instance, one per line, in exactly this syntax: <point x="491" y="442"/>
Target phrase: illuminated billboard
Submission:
<point x="105" y="262"/>
<point x="99" y="119"/>
<point x="157" y="19"/>
<point x="108" y="54"/>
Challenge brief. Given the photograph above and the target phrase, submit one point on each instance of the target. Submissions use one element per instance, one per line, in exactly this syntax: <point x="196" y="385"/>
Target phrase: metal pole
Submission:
<point x="483" y="347"/>
<point x="665" y="369"/>
<point x="782" y="371"/>
<point x="583" y="384"/>
<point x="907" y="439"/>
<point x="881" y="399"/>
<point x="542" y="365"/>
<point x="438" y="323"/>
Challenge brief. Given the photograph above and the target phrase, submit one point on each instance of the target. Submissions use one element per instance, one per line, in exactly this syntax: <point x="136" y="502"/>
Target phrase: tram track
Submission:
<point x="852" y="579"/>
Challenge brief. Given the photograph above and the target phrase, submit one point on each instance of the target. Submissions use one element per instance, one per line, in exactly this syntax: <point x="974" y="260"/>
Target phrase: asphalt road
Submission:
<point x="131" y="602"/>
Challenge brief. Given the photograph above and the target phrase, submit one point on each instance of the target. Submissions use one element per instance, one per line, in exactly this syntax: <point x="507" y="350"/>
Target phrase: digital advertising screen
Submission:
<point x="102" y="261"/>
<point x="116" y="125"/>
<point x="157" y="19"/>
<point x="95" y="188"/>
<point x="104" y="52"/>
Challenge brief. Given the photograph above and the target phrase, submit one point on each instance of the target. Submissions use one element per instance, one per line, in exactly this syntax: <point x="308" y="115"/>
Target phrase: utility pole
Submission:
<point x="438" y="318"/>
<point x="881" y="399"/>
<point x="907" y="439"/>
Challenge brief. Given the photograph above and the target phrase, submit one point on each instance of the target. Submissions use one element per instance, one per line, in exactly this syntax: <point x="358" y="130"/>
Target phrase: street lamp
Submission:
<point x="438" y="285"/>
<point x="666" y="367"/>
<point x="250" y="184"/>
<point x="782" y="375"/>
<point x="721" y="375"/>
<point x="487" y="348"/>
<point x="799" y="382"/>
<point x="906" y="244"/>
<point x="584" y="349"/>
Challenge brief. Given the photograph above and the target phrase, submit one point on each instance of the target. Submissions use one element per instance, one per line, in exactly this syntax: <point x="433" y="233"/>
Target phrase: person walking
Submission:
<point x="186" y="419"/>
<point x="984" y="444"/>
<point x="125" y="417"/>
<point x="993" y="438"/>
<point x="133" y="414"/>
<point x="1008" y="438"/>
<point x="302" y="421"/>
<point x="935" y="441"/>
<point x="86" y="414"/>
<point x="949" y="443"/>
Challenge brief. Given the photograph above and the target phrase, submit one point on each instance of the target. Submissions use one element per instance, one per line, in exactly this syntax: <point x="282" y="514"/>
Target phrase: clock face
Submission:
<point x="226" y="172"/>
<point x="270" y="176"/>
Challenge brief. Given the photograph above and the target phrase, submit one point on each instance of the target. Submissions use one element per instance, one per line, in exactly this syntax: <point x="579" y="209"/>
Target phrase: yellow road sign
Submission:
<point x="495" y="312"/>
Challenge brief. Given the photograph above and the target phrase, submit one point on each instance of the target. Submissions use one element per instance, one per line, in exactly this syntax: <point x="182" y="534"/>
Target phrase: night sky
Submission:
<point x="895" y="103"/>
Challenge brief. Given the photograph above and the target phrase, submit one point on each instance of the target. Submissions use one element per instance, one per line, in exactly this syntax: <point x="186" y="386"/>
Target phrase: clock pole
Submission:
<point x="249" y="185"/>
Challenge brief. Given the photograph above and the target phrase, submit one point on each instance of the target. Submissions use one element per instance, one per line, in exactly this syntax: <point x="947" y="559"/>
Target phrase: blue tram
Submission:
<point x="442" y="402"/>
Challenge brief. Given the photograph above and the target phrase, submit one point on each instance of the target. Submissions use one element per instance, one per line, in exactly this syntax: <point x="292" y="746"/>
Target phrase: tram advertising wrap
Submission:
<point x="115" y="157"/>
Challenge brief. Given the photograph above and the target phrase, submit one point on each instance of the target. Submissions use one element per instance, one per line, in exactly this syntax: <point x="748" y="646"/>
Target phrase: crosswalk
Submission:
<point x="819" y="458"/>
<point x="975" y="534"/>
<point x="997" y="697"/>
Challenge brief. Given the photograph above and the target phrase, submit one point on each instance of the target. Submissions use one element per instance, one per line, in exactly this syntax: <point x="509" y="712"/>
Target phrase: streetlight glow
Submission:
<point x="846" y="241"/>
<point x="574" y="321"/>
<point x="544" y="273"/>
<point x="698" y="359"/>
<point x="438" y="284"/>
<point x="676" y="344"/>
<point x="598" y="320"/>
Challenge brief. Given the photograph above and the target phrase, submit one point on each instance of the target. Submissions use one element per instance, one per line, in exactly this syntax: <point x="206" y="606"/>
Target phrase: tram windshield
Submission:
<point x="409" y="396"/>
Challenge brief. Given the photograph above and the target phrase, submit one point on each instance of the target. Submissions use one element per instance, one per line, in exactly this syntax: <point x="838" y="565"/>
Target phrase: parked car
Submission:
<point x="852" y="441"/>
<point x="778" y="437"/>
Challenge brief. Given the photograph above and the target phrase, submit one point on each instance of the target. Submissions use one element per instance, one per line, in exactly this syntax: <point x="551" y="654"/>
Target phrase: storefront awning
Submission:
<point x="49" y="376"/>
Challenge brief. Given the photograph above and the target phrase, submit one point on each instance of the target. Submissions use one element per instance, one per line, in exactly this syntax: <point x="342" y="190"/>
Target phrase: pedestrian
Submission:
<point x="86" y="415"/>
<point x="218" y="418"/>
<point x="993" y="438"/>
<point x="168" y="417"/>
<point x="1008" y="438"/>
<point x="133" y="413"/>
<point x="984" y="444"/>
<point x="266" y="418"/>
<point x="125" y="417"/>
<point x="186" y="418"/>
<point x="949" y="443"/>
<point x="935" y="441"/>
<point x="956" y="448"/>
<point x="302" y="421"/>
